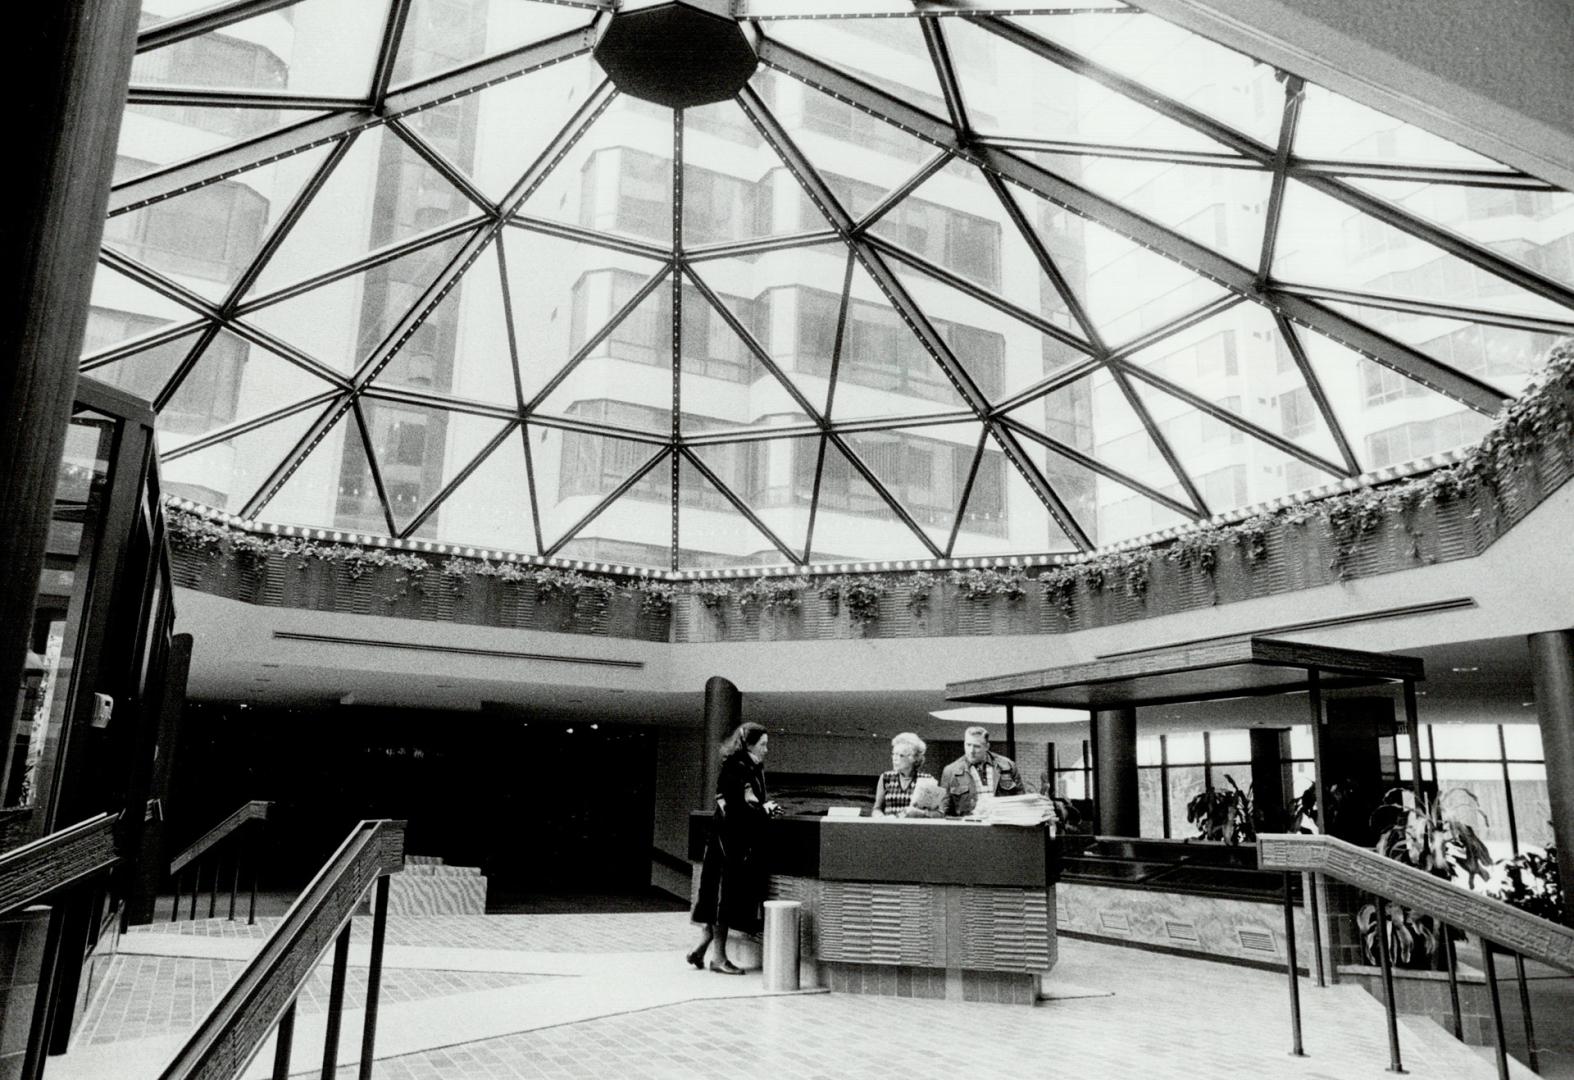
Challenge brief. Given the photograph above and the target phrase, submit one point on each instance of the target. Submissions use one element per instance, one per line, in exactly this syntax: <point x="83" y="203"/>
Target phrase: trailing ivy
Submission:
<point x="773" y="594"/>
<point x="987" y="583"/>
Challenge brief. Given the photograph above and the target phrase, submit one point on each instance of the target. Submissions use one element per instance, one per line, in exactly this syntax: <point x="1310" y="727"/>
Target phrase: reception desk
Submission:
<point x="916" y="908"/>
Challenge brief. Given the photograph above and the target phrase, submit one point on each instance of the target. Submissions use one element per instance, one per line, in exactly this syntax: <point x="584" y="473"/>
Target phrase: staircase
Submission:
<point x="428" y="886"/>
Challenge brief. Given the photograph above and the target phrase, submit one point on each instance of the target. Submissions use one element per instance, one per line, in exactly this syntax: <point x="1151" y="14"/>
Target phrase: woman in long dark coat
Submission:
<point x="733" y="876"/>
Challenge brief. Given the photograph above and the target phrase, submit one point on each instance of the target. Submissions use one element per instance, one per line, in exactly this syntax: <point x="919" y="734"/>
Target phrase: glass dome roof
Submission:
<point x="938" y="285"/>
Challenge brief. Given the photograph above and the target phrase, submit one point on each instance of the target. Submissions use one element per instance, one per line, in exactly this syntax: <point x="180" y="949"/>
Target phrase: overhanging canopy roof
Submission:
<point x="1239" y="667"/>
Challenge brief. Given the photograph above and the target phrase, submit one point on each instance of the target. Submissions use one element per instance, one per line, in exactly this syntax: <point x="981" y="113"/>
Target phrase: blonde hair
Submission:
<point x="919" y="747"/>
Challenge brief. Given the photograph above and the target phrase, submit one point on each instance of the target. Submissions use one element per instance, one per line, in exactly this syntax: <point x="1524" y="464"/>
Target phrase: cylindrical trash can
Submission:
<point x="779" y="945"/>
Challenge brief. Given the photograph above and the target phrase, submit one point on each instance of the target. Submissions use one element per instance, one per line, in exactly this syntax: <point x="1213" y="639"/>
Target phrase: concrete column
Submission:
<point x="1552" y="672"/>
<point x="66" y="88"/>
<point x="1271" y="777"/>
<point x="1115" y="772"/>
<point x="723" y="713"/>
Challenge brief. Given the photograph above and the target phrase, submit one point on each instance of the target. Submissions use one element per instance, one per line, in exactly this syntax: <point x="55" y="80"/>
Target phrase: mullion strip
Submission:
<point x="814" y="498"/>
<point x="590" y="427"/>
<point x="1058" y="510"/>
<point x="371" y="460"/>
<point x="1197" y="401"/>
<point x="488" y="72"/>
<point x="288" y="352"/>
<point x="1212" y="159"/>
<point x="464" y="474"/>
<point x="1290" y="115"/>
<point x="842" y="313"/>
<point x="1092" y="464"/>
<point x="732" y="249"/>
<point x="950" y="88"/>
<point x="184" y="27"/>
<point x="225" y="434"/>
<point x="857" y="93"/>
<point x="737" y="503"/>
<point x="874" y="481"/>
<point x="1129" y="88"/>
<point x="675" y="538"/>
<point x="1046" y="262"/>
<point x="172" y="384"/>
<point x="366" y="262"/>
<point x="291" y="461"/>
<point x="1175" y="326"/>
<point x="433" y="157"/>
<point x="240" y="99"/>
<point x="907" y="187"/>
<point x="282" y="227"/>
<point x="530" y="481"/>
<point x="565" y="231"/>
<point x="635" y="477"/>
<point x="428" y="400"/>
<point x="136" y="345"/>
<point x="595" y="340"/>
<point x="165" y="287"/>
<point x="1314" y="385"/>
<point x="1044" y="387"/>
<point x="1421" y="307"/>
<point x="967" y="490"/>
<point x="388" y="53"/>
<point x="1459" y="177"/>
<point x="508" y="323"/>
<point x="977" y="292"/>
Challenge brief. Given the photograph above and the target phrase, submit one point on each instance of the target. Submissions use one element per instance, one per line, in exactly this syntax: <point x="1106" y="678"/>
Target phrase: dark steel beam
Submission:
<point x="300" y="359"/>
<point x="365" y="435"/>
<point x="1289" y="119"/>
<point x="1093" y="464"/>
<point x="737" y="248"/>
<point x="388" y="53"/>
<point x="530" y="482"/>
<point x="240" y="99"/>
<point x="563" y="230"/>
<point x="1175" y="326"/>
<point x="1461" y="177"/>
<point x="911" y="184"/>
<point x="205" y="21"/>
<point x="967" y="489"/>
<point x="165" y="287"/>
<point x="855" y="92"/>
<point x="225" y="434"/>
<point x="595" y="340"/>
<point x="445" y="168"/>
<point x="162" y="336"/>
<point x="592" y="427"/>
<point x="432" y="400"/>
<point x="1111" y="150"/>
<point x="878" y="485"/>
<point x="635" y="477"/>
<point x="436" y="501"/>
<point x="489" y="72"/>
<point x="1048" y="385"/>
<point x="1314" y="386"/>
<point x="1059" y="512"/>
<point x="738" y="504"/>
<point x="1422" y="307"/>
<point x="950" y="88"/>
<point x="508" y="324"/>
<point x="1463" y="388"/>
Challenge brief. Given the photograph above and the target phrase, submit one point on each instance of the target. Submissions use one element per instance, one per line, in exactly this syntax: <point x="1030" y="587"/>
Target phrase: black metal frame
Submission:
<point x="1296" y="307"/>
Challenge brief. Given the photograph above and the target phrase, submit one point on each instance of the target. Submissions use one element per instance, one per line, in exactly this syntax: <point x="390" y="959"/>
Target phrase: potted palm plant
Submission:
<point x="1223" y="814"/>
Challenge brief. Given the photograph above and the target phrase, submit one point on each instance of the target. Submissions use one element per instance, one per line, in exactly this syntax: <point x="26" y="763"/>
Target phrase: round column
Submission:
<point x="723" y="713"/>
<point x="1115" y="772"/>
<point x="1552" y="672"/>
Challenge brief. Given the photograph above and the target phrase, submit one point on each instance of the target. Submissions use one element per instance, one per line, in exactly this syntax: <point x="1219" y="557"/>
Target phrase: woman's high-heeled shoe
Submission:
<point x="725" y="967"/>
<point x="697" y="958"/>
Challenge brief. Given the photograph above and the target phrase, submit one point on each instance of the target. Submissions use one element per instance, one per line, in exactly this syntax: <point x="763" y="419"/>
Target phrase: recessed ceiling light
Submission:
<point x="1463" y="670"/>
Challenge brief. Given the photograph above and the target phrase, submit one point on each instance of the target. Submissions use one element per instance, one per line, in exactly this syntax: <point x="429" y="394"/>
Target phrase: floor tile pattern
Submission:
<point x="159" y="995"/>
<point x="619" y="932"/>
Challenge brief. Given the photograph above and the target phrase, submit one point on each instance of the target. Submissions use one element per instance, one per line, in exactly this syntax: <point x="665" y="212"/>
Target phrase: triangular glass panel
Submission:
<point x="1239" y="361"/>
<point x="885" y="372"/>
<point x="340" y="323"/>
<point x="1498" y="355"/>
<point x="419" y="450"/>
<point x="1002" y="354"/>
<point x="576" y="471"/>
<point x="773" y="477"/>
<point x="779" y="297"/>
<point x="1223" y="84"/>
<point x="1225" y="209"/>
<point x="563" y="293"/>
<point x="232" y="381"/>
<point x="227" y="474"/>
<point x="440" y="35"/>
<point x="1004" y="515"/>
<point x="924" y="468"/>
<point x="493" y="136"/>
<point x="122" y="310"/>
<point x="1062" y="106"/>
<point x="158" y="12"/>
<point x="1332" y="127"/>
<point x="316" y="48"/>
<point x="1512" y="223"/>
<point x="461" y="348"/>
<point x="1230" y="468"/>
<point x="1323" y="241"/>
<point x="152" y="136"/>
<point x="626" y="380"/>
<point x="491" y="508"/>
<point x="823" y="127"/>
<point x="144" y="374"/>
<point x="344" y="223"/>
<point x="617" y="178"/>
<point x="954" y="221"/>
<point x="206" y="238"/>
<point x="712" y="531"/>
<point x="888" y="54"/>
<point x="734" y="186"/>
<point x="1092" y="416"/>
<point x="1389" y="418"/>
<point x="333" y="488"/>
<point x="854" y="521"/>
<point x="1126" y="289"/>
<point x="1107" y="510"/>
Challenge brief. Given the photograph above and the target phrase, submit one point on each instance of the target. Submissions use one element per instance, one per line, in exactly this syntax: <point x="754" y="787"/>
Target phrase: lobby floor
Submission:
<point x="566" y="996"/>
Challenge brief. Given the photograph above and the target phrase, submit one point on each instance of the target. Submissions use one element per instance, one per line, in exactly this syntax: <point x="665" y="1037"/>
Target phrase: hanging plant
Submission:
<point x="986" y="584"/>
<point x="655" y="597"/>
<point x="713" y="596"/>
<point x="773" y="594"/>
<point x="920" y="588"/>
<point x="861" y="595"/>
<point x="1198" y="550"/>
<point x="1059" y="586"/>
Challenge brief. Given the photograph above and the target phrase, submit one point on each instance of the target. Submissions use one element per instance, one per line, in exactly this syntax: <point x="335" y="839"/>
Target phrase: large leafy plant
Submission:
<point x="1437" y="836"/>
<point x="1531" y="882"/>
<point x="1223" y="814"/>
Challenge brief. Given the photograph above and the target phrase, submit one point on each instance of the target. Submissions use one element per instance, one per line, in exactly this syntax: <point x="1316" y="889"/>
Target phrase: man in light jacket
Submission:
<point x="977" y="772"/>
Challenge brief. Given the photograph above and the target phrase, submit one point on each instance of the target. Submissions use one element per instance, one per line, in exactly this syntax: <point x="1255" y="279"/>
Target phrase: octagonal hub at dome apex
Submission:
<point x="678" y="53"/>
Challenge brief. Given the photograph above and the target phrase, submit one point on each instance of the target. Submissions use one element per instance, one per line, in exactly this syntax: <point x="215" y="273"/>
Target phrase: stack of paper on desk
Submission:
<point x="1018" y="810"/>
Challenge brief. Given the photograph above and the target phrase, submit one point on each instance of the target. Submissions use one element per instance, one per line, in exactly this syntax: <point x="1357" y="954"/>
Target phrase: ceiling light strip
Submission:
<point x="455" y="650"/>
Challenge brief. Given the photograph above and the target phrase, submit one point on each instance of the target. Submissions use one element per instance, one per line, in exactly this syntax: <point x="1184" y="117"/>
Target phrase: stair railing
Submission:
<point x="1498" y="925"/>
<point x="263" y="998"/>
<point x="60" y="869"/>
<point x="210" y="849"/>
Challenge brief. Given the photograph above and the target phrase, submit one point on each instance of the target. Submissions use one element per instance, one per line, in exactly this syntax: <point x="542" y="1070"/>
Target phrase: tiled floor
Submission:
<point x="623" y="1005"/>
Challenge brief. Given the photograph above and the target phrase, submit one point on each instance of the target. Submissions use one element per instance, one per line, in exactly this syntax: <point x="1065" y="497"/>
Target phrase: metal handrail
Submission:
<point x="34" y="870"/>
<point x="235" y="1029"/>
<point x="1456" y="905"/>
<point x="256" y="810"/>
<point x="1497" y="924"/>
